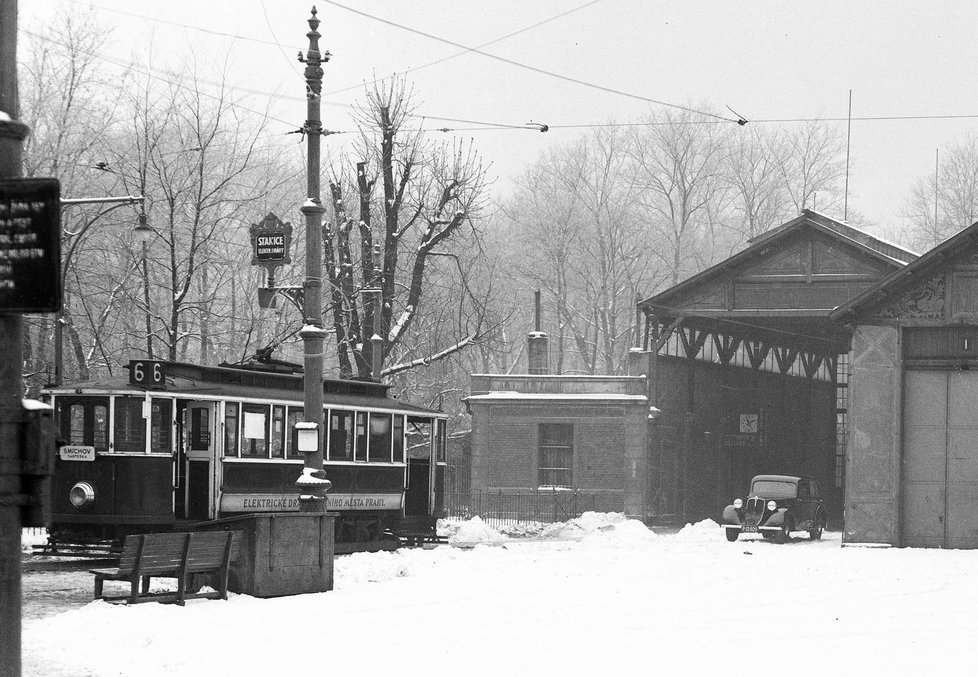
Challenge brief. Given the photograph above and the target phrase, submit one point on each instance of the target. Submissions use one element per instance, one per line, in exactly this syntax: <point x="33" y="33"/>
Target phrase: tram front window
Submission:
<point x="84" y="421"/>
<point x="130" y="426"/>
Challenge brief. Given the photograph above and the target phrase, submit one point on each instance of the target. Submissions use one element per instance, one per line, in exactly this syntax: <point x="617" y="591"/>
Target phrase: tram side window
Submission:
<point x="130" y="426"/>
<point x="360" y="451"/>
<point x="340" y="435"/>
<point x="278" y="432"/>
<point x="295" y="415"/>
<point x="161" y="426"/>
<point x="442" y="434"/>
<point x="254" y="430"/>
<point x="398" y="439"/>
<point x="84" y="421"/>
<point x="380" y="438"/>
<point x="231" y="429"/>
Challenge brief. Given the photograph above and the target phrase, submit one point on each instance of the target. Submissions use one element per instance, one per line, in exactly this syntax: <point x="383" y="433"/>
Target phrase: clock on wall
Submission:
<point x="748" y="423"/>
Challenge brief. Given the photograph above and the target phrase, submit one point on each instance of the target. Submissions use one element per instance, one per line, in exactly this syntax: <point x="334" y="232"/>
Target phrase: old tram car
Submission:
<point x="176" y="444"/>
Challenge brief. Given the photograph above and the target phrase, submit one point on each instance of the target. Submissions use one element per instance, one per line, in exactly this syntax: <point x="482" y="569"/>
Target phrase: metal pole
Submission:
<point x="12" y="135"/>
<point x="312" y="483"/>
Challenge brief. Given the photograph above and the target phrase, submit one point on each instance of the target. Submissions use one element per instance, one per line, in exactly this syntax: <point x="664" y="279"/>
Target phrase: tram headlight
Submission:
<point x="82" y="495"/>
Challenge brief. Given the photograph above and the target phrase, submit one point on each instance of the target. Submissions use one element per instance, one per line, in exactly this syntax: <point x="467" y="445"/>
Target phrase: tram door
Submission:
<point x="421" y="440"/>
<point x="197" y="467"/>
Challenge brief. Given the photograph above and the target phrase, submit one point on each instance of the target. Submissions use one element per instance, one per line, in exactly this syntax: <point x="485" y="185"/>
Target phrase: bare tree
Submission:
<point x="678" y="160"/>
<point x="760" y="199"/>
<point x="946" y="202"/>
<point x="584" y="245"/>
<point x="62" y="85"/>
<point x="813" y="165"/>
<point x="416" y="202"/>
<point x="196" y="158"/>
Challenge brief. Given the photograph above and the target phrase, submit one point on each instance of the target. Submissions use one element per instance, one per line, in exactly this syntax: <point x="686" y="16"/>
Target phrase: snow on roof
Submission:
<point x="602" y="397"/>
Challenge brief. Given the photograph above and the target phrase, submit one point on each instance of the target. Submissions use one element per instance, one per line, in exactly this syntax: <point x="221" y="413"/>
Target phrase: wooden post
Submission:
<point x="12" y="135"/>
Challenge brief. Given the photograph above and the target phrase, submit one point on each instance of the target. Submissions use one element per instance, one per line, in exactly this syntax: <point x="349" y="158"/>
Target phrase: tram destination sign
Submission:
<point x="30" y="246"/>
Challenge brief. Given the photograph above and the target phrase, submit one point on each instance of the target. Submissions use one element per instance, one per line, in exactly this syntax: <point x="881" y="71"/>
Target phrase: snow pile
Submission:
<point x="31" y="537"/>
<point x="475" y="532"/>
<point x="604" y="528"/>
<point x="703" y="531"/>
<point x="370" y="567"/>
<point x="523" y="529"/>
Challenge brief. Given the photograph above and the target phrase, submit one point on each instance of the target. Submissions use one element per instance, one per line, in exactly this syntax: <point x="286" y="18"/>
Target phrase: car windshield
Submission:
<point x="773" y="489"/>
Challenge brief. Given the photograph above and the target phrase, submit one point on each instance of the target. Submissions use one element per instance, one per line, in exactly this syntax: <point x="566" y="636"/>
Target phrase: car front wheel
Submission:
<point x="816" y="533"/>
<point x="786" y="528"/>
<point x="732" y="534"/>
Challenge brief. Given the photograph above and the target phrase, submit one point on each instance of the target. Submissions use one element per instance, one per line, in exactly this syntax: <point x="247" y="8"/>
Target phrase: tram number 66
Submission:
<point x="146" y="373"/>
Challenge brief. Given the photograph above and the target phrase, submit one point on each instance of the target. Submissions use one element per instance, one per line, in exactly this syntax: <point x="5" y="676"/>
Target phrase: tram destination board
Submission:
<point x="30" y="246"/>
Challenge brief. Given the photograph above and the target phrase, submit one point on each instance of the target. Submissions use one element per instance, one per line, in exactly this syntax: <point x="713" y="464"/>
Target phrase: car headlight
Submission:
<point x="82" y="495"/>
<point x="738" y="503"/>
<point x="772" y="506"/>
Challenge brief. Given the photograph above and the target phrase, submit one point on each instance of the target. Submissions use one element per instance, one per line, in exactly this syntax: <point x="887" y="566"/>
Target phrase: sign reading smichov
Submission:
<point x="30" y="246"/>
<point x="75" y="452"/>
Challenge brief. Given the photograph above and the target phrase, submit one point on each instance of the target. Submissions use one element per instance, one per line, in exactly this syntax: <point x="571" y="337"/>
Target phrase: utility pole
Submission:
<point x="313" y="484"/>
<point x="12" y="135"/>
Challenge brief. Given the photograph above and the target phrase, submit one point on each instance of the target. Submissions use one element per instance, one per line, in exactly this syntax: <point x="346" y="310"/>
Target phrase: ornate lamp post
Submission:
<point x="313" y="484"/>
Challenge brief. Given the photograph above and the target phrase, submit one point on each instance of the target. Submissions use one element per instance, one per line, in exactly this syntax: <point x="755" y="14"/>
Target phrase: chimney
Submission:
<point x="538" y="353"/>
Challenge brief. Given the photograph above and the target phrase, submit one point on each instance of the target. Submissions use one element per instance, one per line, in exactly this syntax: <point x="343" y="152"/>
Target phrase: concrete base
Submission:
<point x="281" y="553"/>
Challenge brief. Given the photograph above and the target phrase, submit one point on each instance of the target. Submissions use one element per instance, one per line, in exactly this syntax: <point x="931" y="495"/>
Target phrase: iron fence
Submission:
<point x="499" y="508"/>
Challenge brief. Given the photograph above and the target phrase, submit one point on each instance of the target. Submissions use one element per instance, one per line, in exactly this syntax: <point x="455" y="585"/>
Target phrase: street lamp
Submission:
<point x="142" y="231"/>
<point x="144" y="234"/>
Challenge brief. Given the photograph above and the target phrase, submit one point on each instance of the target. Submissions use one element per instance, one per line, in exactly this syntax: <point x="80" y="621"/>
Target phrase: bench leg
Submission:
<point x="98" y="586"/>
<point x="181" y="588"/>
<point x="133" y="589"/>
<point x="146" y="584"/>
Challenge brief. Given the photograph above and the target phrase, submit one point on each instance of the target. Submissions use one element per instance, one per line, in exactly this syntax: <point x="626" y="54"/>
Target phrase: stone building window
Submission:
<point x="556" y="457"/>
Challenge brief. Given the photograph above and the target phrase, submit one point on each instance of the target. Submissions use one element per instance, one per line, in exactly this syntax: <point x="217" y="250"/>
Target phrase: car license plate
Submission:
<point x="750" y="528"/>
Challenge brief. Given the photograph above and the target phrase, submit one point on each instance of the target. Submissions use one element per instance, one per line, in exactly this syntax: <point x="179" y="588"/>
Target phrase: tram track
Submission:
<point x="33" y="563"/>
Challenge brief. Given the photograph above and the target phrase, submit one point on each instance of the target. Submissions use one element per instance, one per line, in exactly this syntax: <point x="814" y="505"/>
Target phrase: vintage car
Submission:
<point x="776" y="505"/>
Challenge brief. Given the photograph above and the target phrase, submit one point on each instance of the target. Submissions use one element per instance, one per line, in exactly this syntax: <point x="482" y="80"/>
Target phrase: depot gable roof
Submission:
<point x="805" y="267"/>
<point x="941" y="285"/>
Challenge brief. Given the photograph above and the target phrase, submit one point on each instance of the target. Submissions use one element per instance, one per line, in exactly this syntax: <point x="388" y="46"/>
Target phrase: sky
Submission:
<point x="587" y="62"/>
<point x="599" y="595"/>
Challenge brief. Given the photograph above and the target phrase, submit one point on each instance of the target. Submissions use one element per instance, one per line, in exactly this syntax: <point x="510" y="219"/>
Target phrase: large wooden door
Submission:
<point x="940" y="467"/>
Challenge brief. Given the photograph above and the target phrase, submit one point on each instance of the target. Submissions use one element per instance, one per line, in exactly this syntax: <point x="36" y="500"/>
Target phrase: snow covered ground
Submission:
<point x="595" y="596"/>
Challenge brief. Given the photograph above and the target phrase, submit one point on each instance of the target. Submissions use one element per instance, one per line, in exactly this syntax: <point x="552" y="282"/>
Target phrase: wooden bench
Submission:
<point x="171" y="555"/>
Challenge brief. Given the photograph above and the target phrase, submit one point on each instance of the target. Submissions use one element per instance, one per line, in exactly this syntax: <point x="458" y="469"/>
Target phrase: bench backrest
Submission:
<point x="211" y="549"/>
<point x="164" y="552"/>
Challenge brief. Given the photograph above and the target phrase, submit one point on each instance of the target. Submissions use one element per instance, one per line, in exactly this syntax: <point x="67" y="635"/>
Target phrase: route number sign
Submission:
<point x="147" y="373"/>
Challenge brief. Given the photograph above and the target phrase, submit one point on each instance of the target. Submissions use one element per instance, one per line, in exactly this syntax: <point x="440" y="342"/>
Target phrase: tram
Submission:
<point x="175" y="444"/>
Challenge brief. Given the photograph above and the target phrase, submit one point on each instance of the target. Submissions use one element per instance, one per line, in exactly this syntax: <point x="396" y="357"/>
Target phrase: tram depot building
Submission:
<point x="818" y="350"/>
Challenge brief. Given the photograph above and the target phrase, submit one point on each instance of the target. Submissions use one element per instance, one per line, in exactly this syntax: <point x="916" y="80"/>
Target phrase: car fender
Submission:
<point x="777" y="518"/>
<point x="731" y="515"/>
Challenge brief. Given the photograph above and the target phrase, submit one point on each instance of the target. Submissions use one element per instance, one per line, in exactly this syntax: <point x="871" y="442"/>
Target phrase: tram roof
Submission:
<point x="227" y="382"/>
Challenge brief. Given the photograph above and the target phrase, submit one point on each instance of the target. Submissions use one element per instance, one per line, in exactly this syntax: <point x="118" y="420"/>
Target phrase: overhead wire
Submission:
<point x="534" y="69"/>
<point x="483" y="126"/>
<point x="470" y="49"/>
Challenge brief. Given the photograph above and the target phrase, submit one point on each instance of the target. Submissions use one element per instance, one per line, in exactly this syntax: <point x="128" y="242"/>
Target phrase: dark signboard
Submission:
<point x="30" y="246"/>
<point x="148" y="373"/>
<point x="271" y="241"/>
